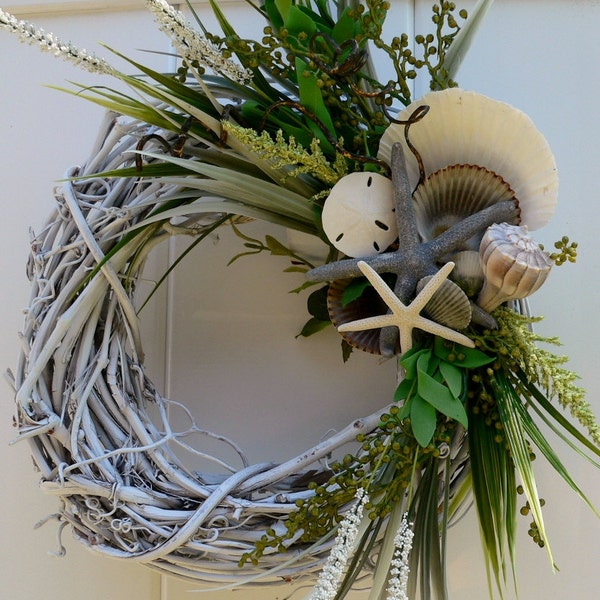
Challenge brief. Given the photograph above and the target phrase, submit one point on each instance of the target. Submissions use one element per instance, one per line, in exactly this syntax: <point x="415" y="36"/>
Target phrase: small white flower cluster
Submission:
<point x="48" y="42"/>
<point x="397" y="588"/>
<point x="191" y="45"/>
<point x="327" y="586"/>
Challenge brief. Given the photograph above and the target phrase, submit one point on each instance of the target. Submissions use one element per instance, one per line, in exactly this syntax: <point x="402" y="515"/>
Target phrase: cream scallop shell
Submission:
<point x="463" y="128"/>
<point x="358" y="215"/>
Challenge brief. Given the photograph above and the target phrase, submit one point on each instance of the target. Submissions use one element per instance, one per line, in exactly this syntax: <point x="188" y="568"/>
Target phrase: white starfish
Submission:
<point x="406" y="318"/>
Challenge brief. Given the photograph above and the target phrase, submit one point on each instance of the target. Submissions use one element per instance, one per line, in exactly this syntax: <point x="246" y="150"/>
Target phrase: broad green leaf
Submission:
<point x="410" y="358"/>
<point x="345" y="28"/>
<point x="276" y="247"/>
<point x="313" y="326"/>
<point x="423" y="420"/>
<point x="298" y="21"/>
<point x="317" y="304"/>
<point x="312" y="99"/>
<point x="454" y="378"/>
<point x="440" y="397"/>
<point x="404" y="389"/>
<point x="274" y="14"/>
<point x="354" y="290"/>
<point x="468" y="358"/>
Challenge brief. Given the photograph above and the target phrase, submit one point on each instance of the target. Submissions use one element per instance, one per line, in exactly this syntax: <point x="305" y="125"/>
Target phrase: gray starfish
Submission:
<point x="415" y="259"/>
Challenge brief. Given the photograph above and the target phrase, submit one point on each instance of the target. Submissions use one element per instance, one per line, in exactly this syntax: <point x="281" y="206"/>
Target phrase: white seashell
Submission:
<point x="467" y="272"/>
<point x="358" y="215"/>
<point x="450" y="195"/>
<point x="466" y="128"/>
<point x="449" y="305"/>
<point x="514" y="265"/>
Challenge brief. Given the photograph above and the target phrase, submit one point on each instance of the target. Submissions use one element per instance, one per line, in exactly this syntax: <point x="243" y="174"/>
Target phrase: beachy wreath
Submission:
<point x="426" y="212"/>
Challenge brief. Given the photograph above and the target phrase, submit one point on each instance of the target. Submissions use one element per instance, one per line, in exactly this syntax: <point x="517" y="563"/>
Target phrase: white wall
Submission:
<point x="229" y="326"/>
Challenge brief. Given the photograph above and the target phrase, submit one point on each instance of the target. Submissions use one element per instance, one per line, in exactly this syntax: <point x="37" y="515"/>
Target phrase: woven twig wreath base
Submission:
<point x="99" y="430"/>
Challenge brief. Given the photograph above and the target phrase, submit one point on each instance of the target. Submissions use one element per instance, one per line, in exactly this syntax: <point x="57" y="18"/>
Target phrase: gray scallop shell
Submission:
<point x="449" y="306"/>
<point x="451" y="194"/>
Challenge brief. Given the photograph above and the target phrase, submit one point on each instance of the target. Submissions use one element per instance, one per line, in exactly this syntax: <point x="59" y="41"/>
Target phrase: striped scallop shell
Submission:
<point x="449" y="305"/>
<point x="466" y="128"/>
<point x="467" y="272"/>
<point x="450" y="195"/>
<point x="368" y="305"/>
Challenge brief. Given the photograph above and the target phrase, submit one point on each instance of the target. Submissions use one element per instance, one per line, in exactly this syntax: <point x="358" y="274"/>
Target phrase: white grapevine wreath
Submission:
<point x="98" y="429"/>
<point x="425" y="207"/>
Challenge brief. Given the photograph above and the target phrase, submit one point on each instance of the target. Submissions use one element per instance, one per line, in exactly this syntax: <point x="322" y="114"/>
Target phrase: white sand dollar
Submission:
<point x="358" y="215"/>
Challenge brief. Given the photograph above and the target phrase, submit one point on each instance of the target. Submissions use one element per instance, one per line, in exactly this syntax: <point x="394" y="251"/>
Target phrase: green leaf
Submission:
<point x="346" y="350"/>
<point x="354" y="290"/>
<point x="454" y="378"/>
<point x="404" y="389"/>
<point x="272" y="10"/>
<point x="276" y="247"/>
<point x="468" y="358"/>
<point x="423" y="420"/>
<point x="538" y="438"/>
<point x="440" y="397"/>
<point x="317" y="304"/>
<point x="345" y="28"/>
<point x="313" y="326"/>
<point x="298" y="21"/>
<point x="409" y="361"/>
<point x="312" y="99"/>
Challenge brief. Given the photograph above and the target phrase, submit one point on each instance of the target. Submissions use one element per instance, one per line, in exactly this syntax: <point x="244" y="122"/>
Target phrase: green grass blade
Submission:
<point x="256" y="192"/>
<point x="507" y="399"/>
<point x="538" y="438"/>
<point x="460" y="46"/>
<point x="534" y="393"/>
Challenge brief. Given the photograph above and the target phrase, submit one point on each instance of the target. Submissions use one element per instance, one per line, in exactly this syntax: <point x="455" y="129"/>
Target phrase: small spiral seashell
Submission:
<point x="514" y="266"/>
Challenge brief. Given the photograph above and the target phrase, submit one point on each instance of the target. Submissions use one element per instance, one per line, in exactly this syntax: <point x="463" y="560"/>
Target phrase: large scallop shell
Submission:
<point x="450" y="195"/>
<point x="369" y="304"/>
<point x="466" y="128"/>
<point x="449" y="305"/>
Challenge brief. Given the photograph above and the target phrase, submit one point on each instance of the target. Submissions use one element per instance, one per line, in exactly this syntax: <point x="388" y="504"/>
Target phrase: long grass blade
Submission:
<point x="507" y="400"/>
<point x="461" y="44"/>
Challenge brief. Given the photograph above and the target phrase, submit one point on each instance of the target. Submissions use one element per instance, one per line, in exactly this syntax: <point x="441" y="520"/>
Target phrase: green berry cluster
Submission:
<point x="567" y="251"/>
<point x="384" y="467"/>
<point x="332" y="53"/>
<point x="533" y="531"/>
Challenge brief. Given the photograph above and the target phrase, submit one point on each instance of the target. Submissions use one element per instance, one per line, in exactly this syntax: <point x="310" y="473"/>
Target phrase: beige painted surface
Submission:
<point x="231" y="355"/>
